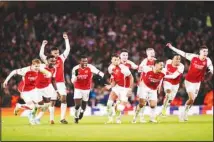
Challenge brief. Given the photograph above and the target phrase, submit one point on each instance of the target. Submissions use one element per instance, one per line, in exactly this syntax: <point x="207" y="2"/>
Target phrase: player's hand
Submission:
<point x="44" y="42"/>
<point x="65" y="36"/>
<point x="169" y="45"/>
<point x="108" y="87"/>
<point x="4" y="84"/>
<point x="58" y="96"/>
<point x="76" y="72"/>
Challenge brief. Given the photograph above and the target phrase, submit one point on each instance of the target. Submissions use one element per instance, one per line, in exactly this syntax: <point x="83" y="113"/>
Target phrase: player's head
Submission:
<point x="150" y="52"/>
<point x="35" y="64"/>
<point x="51" y="60"/>
<point x="176" y="59"/>
<point x="203" y="51"/>
<point x="159" y="65"/>
<point x="55" y="52"/>
<point x="124" y="55"/>
<point x="83" y="61"/>
<point x="115" y="59"/>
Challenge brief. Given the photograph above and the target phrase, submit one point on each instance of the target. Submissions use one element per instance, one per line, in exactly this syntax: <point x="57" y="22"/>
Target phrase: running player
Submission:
<point x="60" y="81"/>
<point x="197" y="69"/>
<point x="120" y="88"/>
<point x="82" y="75"/>
<point x="48" y="89"/>
<point x="148" y="88"/>
<point x="29" y="92"/>
<point x="149" y="62"/>
<point x="174" y="68"/>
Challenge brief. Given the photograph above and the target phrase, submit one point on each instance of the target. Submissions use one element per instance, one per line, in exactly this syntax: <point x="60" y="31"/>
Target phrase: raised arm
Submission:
<point x="42" y="51"/>
<point x="188" y="56"/>
<point x="67" y="46"/>
<point x="8" y="77"/>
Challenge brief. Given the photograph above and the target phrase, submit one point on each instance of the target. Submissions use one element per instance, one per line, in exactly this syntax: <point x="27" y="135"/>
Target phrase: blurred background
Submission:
<point x="99" y="29"/>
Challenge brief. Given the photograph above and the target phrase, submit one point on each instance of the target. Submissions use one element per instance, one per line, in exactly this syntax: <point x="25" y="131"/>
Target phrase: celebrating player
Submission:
<point x="198" y="65"/>
<point x="29" y="92"/>
<point x="120" y="87"/>
<point x="175" y="69"/>
<point x="60" y="81"/>
<point x="149" y="62"/>
<point x="148" y="88"/>
<point x="48" y="89"/>
<point x="82" y="75"/>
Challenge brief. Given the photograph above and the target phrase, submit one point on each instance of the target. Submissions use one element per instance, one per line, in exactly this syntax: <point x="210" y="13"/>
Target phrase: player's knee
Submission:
<point x="77" y="106"/>
<point x="191" y="100"/>
<point x="168" y="91"/>
<point x="110" y="103"/>
<point x="141" y="105"/>
<point x="152" y="106"/>
<point x="63" y="99"/>
<point x="120" y="107"/>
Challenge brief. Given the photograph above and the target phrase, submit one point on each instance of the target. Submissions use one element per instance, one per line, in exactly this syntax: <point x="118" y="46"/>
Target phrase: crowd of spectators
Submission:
<point x="99" y="36"/>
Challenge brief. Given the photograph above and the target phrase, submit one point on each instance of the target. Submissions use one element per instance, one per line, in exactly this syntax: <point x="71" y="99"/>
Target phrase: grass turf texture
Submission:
<point x="198" y="128"/>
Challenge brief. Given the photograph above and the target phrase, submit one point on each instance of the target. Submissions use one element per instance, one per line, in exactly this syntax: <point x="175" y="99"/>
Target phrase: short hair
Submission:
<point x="83" y="56"/>
<point x="203" y="47"/>
<point x="115" y="55"/>
<point x="54" y="48"/>
<point x="50" y="56"/>
<point x="158" y="61"/>
<point x="124" y="50"/>
<point x="175" y="54"/>
<point x="36" y="61"/>
<point x="149" y="49"/>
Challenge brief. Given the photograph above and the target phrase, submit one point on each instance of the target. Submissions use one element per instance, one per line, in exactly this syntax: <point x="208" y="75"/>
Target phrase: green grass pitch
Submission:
<point x="198" y="128"/>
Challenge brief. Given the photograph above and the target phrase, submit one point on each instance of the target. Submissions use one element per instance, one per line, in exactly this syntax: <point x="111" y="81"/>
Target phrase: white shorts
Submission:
<point x="192" y="87"/>
<point x="31" y="96"/>
<point x="174" y="89"/>
<point x="146" y="93"/>
<point x="61" y="88"/>
<point x="81" y="94"/>
<point x="121" y="92"/>
<point x="48" y="92"/>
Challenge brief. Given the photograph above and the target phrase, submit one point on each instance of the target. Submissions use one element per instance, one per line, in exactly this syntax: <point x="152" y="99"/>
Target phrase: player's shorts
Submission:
<point x="192" y="87"/>
<point x="61" y="88"/>
<point x="31" y="96"/>
<point x="81" y="94"/>
<point x="168" y="86"/>
<point x="147" y="93"/>
<point x="121" y="92"/>
<point x="48" y="92"/>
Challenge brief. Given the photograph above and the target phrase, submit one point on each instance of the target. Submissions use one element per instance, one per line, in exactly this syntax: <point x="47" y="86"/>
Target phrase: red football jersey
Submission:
<point x="145" y="62"/>
<point x="29" y="78"/>
<point x="171" y="69"/>
<point x="120" y="74"/>
<point x="84" y="77"/>
<point x="151" y="79"/>
<point x="44" y="81"/>
<point x="60" y="69"/>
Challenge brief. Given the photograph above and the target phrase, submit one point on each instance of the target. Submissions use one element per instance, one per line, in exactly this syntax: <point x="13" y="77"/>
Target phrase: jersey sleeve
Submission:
<point x="133" y="65"/>
<point x="125" y="70"/>
<point x="74" y="77"/>
<point x="181" y="68"/>
<point x="210" y="65"/>
<point x="95" y="70"/>
<point x="189" y="56"/>
<point x="146" y="69"/>
<point x="22" y="71"/>
<point x="168" y="62"/>
<point x="142" y="64"/>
